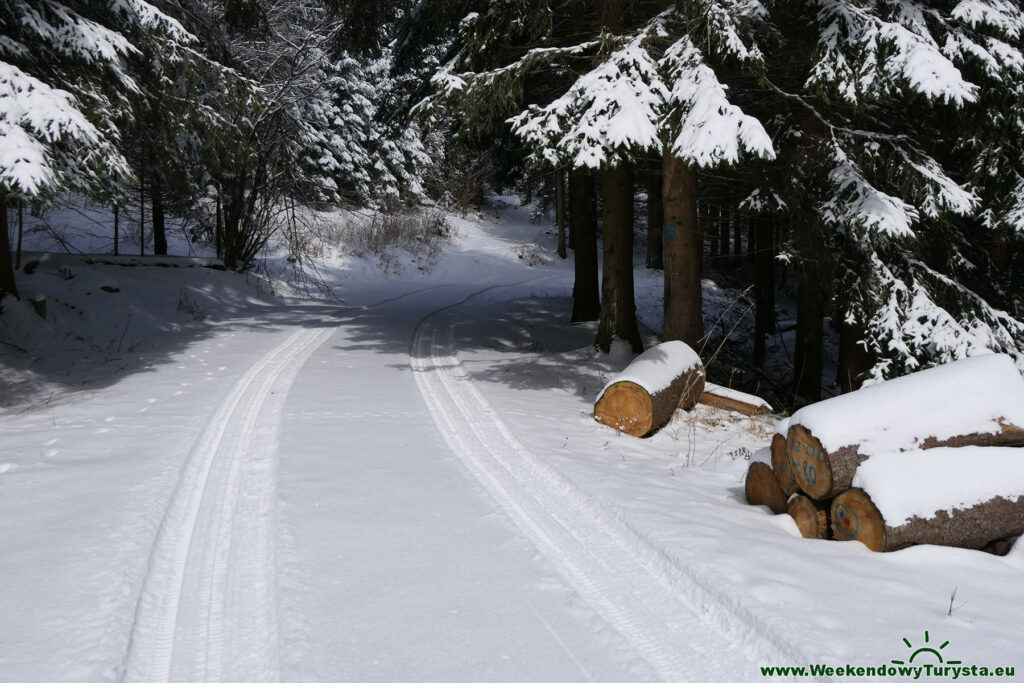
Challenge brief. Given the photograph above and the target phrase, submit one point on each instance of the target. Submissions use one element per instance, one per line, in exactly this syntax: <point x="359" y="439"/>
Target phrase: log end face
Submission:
<point x="809" y="463"/>
<point x="811" y="519"/>
<point x="625" y="407"/>
<point x="855" y="518"/>
<point x="761" y="488"/>
<point x="780" y="465"/>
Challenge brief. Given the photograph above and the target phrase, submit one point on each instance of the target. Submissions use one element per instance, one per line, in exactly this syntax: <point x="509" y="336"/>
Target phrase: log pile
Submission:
<point x="661" y="380"/>
<point x="930" y="458"/>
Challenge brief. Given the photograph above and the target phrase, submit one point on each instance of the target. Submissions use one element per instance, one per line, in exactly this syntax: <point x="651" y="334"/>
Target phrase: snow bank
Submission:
<point x="921" y="483"/>
<point x="964" y="397"/>
<point x="655" y="368"/>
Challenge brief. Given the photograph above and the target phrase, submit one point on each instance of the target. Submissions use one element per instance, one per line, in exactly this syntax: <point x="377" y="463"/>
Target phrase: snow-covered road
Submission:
<point x="409" y="485"/>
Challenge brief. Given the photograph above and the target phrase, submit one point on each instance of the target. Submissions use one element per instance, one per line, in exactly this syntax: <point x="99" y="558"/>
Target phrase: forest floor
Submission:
<point x="201" y="480"/>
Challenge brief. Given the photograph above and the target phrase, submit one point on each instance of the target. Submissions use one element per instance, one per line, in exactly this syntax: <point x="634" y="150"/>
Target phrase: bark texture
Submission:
<point x="7" y="284"/>
<point x="810" y="312"/>
<point x="618" y="307"/>
<point x="683" y="296"/>
<point x="586" y="298"/>
<point x="655" y="221"/>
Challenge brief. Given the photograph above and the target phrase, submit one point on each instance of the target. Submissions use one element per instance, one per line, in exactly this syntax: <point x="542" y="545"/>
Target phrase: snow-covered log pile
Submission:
<point x="972" y="402"/>
<point x="932" y="457"/>
<point x="643" y="397"/>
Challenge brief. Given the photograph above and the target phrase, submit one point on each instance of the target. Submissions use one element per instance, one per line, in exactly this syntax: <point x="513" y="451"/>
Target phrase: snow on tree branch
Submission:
<point x="34" y="116"/>
<point x="888" y="54"/>
<point x="711" y="130"/>
<point x="856" y="201"/>
<point x="1003" y="15"/>
<point x="609" y="113"/>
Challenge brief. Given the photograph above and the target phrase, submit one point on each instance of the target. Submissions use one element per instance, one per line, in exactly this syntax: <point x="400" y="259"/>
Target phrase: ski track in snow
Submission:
<point x="208" y="605"/>
<point x="681" y="628"/>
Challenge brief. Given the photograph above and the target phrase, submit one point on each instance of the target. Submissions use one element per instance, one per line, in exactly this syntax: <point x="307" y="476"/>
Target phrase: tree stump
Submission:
<point x="856" y="518"/>
<point x="644" y="396"/>
<point x="977" y="401"/>
<point x="811" y="516"/>
<point x="761" y="488"/>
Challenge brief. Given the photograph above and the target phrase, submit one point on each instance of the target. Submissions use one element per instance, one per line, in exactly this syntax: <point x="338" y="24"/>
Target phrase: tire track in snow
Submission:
<point x="682" y="628"/>
<point x="208" y="605"/>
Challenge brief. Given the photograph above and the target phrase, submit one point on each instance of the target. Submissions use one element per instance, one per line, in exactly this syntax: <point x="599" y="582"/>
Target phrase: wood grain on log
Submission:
<point x="856" y="518"/>
<point x="811" y="516"/>
<point x="825" y="474"/>
<point x="781" y="467"/>
<point x="761" y="488"/>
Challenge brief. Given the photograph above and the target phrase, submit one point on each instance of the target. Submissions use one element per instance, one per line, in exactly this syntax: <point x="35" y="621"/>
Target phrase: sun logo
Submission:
<point x="926" y="649"/>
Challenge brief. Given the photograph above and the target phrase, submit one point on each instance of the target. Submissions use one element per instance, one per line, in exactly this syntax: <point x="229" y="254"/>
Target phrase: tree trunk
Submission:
<point x="684" y="319"/>
<point x="218" y="228"/>
<point x="644" y="396"/>
<point x="560" y="211"/>
<point x="812" y="517"/>
<point x="7" y="284"/>
<point x="655" y="221"/>
<point x="117" y="230"/>
<point x="21" y="233"/>
<point x="810" y="312"/>
<point x="142" y="215"/>
<point x="737" y="234"/>
<point x="764" y="285"/>
<point x="723" y="238"/>
<point x="854" y="360"/>
<point x="159" y="232"/>
<point x="761" y="488"/>
<point x="856" y="518"/>
<point x="618" y="309"/>
<point x="712" y="232"/>
<point x="586" y="298"/>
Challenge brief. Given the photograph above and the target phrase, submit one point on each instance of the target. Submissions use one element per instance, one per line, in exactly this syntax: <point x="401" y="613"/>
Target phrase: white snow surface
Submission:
<point x="963" y="397"/>
<point x="200" y="481"/>
<point x="655" y="368"/>
<point x="919" y="483"/>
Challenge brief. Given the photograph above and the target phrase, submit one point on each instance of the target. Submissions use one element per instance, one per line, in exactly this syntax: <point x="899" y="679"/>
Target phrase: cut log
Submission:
<point x="762" y="489"/>
<point x="780" y="466"/>
<point x="725" y="398"/>
<point x="811" y="516"/>
<point x="856" y="518"/>
<point x="643" y="396"/>
<point x="977" y="401"/>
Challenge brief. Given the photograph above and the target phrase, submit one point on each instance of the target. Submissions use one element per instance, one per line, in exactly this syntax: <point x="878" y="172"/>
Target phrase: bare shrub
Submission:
<point x="387" y="235"/>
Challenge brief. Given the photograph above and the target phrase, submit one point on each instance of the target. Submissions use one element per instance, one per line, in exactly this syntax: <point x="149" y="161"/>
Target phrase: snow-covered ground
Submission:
<point x="199" y="481"/>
